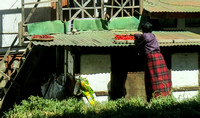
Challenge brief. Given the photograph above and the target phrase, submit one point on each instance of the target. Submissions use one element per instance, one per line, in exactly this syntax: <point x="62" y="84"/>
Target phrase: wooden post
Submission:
<point x="59" y="12"/>
<point x="199" y="69"/>
<point x="133" y="4"/>
<point x="22" y="29"/>
<point x="95" y="9"/>
<point x="20" y="33"/>
<point x="141" y="7"/>
<point x="82" y="13"/>
<point x="65" y="62"/>
<point x="70" y="63"/>
<point x="122" y="11"/>
<point x="102" y="9"/>
<point x="112" y="8"/>
<point x="57" y="60"/>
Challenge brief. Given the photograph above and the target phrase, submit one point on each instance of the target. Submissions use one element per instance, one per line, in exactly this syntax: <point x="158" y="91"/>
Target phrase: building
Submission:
<point x="91" y="50"/>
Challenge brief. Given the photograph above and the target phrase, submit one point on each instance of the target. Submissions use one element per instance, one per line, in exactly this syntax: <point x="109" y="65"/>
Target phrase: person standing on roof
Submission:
<point x="157" y="76"/>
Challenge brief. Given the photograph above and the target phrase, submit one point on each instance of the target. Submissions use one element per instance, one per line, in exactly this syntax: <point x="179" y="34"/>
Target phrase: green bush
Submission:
<point x="166" y="107"/>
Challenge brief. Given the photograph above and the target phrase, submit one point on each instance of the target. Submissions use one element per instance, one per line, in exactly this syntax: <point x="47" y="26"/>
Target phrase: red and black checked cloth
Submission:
<point x="157" y="76"/>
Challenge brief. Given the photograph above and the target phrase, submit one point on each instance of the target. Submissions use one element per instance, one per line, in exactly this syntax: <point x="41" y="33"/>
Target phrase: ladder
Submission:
<point x="28" y="46"/>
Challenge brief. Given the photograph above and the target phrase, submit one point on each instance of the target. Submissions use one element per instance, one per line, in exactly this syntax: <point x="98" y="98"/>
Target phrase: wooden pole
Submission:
<point x="95" y="9"/>
<point x="20" y="33"/>
<point x="141" y="7"/>
<point x="112" y="8"/>
<point x="22" y="29"/>
<point x="82" y="13"/>
<point x="133" y="4"/>
<point x="65" y="62"/>
<point x="59" y="10"/>
<point x="102" y="9"/>
<point x="122" y="11"/>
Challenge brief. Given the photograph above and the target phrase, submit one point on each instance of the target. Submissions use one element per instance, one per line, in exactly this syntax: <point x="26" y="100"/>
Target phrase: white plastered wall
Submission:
<point x="185" y="73"/>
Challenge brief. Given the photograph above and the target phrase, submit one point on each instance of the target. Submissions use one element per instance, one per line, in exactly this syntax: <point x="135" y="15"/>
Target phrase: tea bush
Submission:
<point x="163" y="107"/>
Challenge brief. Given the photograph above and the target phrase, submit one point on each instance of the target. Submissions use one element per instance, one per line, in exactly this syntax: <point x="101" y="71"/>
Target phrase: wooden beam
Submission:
<point x="39" y="2"/>
<point x="101" y="93"/>
<point x="5" y="75"/>
<point x="187" y="88"/>
<point x="121" y="9"/>
<point x="82" y="8"/>
<point x="76" y="8"/>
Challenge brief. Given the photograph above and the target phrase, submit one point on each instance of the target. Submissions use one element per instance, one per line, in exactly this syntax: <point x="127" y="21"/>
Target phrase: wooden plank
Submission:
<point x="75" y="8"/>
<point x="187" y="88"/>
<point x="101" y="93"/>
<point x="127" y="7"/>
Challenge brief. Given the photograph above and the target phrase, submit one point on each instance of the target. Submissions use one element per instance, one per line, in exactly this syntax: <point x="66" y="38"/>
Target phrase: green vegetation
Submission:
<point x="168" y="107"/>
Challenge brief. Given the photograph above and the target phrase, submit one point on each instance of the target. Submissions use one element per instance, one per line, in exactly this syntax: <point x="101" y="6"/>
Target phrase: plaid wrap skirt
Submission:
<point x="157" y="76"/>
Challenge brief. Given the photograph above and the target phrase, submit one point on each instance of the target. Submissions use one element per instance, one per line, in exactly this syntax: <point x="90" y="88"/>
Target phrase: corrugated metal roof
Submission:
<point x="89" y="39"/>
<point x="172" y="5"/>
<point x="106" y="39"/>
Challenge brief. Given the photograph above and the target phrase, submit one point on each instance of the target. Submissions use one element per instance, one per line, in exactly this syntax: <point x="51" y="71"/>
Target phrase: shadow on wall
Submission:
<point x="185" y="61"/>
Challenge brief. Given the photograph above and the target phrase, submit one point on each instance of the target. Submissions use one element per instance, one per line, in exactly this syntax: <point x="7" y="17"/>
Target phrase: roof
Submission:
<point x="189" y="6"/>
<point x="106" y="39"/>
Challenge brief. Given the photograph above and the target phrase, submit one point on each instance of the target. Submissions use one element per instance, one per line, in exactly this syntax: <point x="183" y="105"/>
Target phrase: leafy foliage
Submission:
<point x="166" y="107"/>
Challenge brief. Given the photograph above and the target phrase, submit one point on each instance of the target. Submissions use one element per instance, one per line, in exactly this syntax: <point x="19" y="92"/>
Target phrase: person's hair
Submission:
<point x="146" y="27"/>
